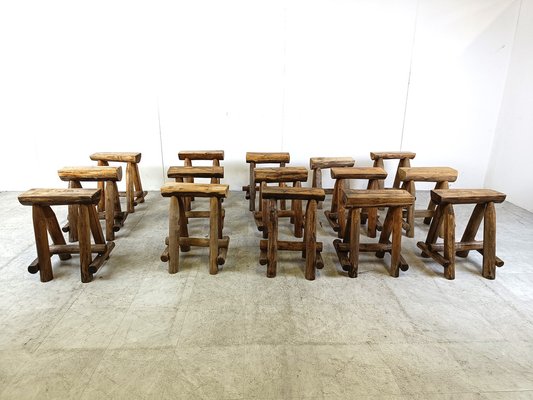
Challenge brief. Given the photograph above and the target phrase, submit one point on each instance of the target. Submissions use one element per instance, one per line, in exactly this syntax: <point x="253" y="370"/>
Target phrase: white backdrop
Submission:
<point x="314" y="77"/>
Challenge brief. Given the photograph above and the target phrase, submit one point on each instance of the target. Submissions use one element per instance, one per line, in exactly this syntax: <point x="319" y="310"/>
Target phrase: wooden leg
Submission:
<point x="354" y="233"/>
<point x="73" y="216"/>
<point x="337" y="194"/>
<point x="101" y="203"/>
<point x="109" y="195"/>
<point x="41" y="242"/>
<point x="173" y="236"/>
<point x="341" y="211"/>
<point x="432" y="205"/>
<point x="404" y="163"/>
<point x="310" y="239"/>
<point x="272" y="249"/>
<point x="378" y="162"/>
<point x="317" y="182"/>
<point x="298" y="218"/>
<point x="372" y="212"/>
<point x="251" y="189"/>
<point x="472" y="227"/>
<point x="94" y="223"/>
<point x="183" y="222"/>
<point x="213" y="235"/>
<point x="129" y="187"/>
<point x="489" y="242"/>
<point x="449" y="241"/>
<point x="385" y="232"/>
<point x="84" y="235"/>
<point x="54" y="230"/>
<point x="137" y="183"/>
<point x="410" y="187"/>
<point x="396" y="241"/>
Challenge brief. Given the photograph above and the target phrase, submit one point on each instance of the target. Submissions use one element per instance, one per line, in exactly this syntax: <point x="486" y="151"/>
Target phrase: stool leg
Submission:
<point x="404" y="163"/>
<point x="54" y="230"/>
<point x="129" y="187"/>
<point x="310" y="239"/>
<point x="282" y="205"/>
<point x="101" y="203"/>
<point x="472" y="227"/>
<point x="354" y="217"/>
<point x="449" y="241"/>
<point x="251" y="189"/>
<point x="317" y="182"/>
<point x="73" y="216"/>
<point x="372" y="212"/>
<point x="272" y="250"/>
<point x="396" y="240"/>
<point x="489" y="242"/>
<point x="183" y="222"/>
<point x="298" y="215"/>
<point x="137" y="183"/>
<point x="213" y="236"/>
<point x="84" y="236"/>
<point x="410" y="187"/>
<point x="41" y="242"/>
<point x="173" y="236"/>
<point x="432" y="205"/>
<point x="96" y="228"/>
<point x="110" y="211"/>
<point x="385" y="232"/>
<point x="378" y="162"/>
<point x="341" y="211"/>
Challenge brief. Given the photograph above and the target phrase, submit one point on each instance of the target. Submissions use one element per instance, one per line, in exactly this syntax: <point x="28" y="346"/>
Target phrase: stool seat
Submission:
<point x="428" y="174"/>
<point x="467" y="196"/>
<point x="132" y="157"/>
<point x="59" y="197"/>
<point x="362" y="198"/>
<point x="201" y="155"/>
<point x="195" y="172"/>
<point x="267" y="158"/>
<point x="392" y="155"/>
<point x="90" y="174"/>
<point x="194" y="189"/>
<point x="330" y="162"/>
<point x="281" y="174"/>
<point x="358" y="173"/>
<point x="296" y="193"/>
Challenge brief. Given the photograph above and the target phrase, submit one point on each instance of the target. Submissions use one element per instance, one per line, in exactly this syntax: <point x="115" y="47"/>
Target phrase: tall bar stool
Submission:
<point x="404" y="160"/>
<point x="317" y="164"/>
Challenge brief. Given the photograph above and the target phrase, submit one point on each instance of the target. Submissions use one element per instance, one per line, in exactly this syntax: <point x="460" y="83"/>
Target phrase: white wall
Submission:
<point x="315" y="77"/>
<point x="510" y="165"/>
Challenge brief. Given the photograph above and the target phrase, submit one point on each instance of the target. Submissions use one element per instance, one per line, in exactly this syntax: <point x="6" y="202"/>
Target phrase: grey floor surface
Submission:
<point x="137" y="332"/>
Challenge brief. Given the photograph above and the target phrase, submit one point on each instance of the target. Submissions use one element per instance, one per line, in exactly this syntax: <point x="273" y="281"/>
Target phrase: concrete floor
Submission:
<point x="138" y="332"/>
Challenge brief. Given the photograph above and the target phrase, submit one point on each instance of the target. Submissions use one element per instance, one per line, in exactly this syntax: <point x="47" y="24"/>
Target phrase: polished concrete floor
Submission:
<point x="137" y="332"/>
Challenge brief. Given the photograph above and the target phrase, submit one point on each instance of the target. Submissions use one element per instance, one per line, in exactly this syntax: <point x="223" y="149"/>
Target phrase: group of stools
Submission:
<point x="274" y="191"/>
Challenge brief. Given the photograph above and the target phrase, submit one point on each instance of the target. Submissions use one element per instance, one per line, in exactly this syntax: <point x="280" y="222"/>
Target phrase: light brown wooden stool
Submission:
<point x="408" y="176"/>
<point x="281" y="176"/>
<point x="112" y="213"/>
<point x="178" y="237"/>
<point x="484" y="209"/>
<point x="336" y="216"/>
<point x="309" y="247"/>
<point x="404" y="158"/>
<point x="356" y="200"/>
<point x="253" y="159"/>
<point x="317" y="164"/>
<point x="45" y="222"/>
<point x="134" y="190"/>
<point x="188" y="156"/>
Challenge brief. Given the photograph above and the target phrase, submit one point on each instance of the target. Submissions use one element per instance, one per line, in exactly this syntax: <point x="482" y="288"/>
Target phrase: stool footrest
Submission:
<point x="286" y="245"/>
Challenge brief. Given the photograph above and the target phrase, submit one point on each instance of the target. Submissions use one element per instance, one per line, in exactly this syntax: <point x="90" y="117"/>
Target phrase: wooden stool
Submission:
<point x="317" y="164"/>
<point x="261" y="158"/>
<point x="337" y="215"/>
<point x="403" y="156"/>
<point x="111" y="212"/>
<point x="45" y="222"/>
<point x="484" y="200"/>
<point x="178" y="231"/>
<point x="188" y="156"/>
<point x="408" y="176"/>
<point x="281" y="176"/>
<point x="309" y="247"/>
<point x="134" y="190"/>
<point x="356" y="200"/>
<point x="187" y="175"/>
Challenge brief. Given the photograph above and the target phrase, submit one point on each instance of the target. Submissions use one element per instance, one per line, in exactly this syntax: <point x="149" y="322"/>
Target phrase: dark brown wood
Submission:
<point x="41" y="241"/>
<point x="432" y="205"/>
<point x="94" y="224"/>
<point x="358" y="173"/>
<point x="54" y="230"/>
<point x="280" y="174"/>
<point x="272" y="255"/>
<point x="449" y="241"/>
<point x="84" y="238"/>
<point x="489" y="242"/>
<point x="173" y="236"/>
<point x="289" y="245"/>
<point x="51" y="197"/>
<point x="267" y="158"/>
<point x="467" y="196"/>
<point x="110" y="196"/>
<point x="130" y="188"/>
<point x="67" y="249"/>
<point x="293" y="193"/>
<point x="363" y="198"/>
<point x="310" y="239"/>
<point x="396" y="241"/>
<point x="195" y="172"/>
<point x="472" y="227"/>
<point x="251" y="187"/>
<point x="353" y="241"/>
<point x="213" y="236"/>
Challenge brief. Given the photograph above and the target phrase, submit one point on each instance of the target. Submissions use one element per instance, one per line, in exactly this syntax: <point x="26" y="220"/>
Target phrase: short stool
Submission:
<point x="336" y="216"/>
<point x="309" y="247"/>
<point x="134" y="190"/>
<point x="179" y="238"/>
<point x="484" y="210"/>
<point x="356" y="200"/>
<point x="404" y="160"/>
<point x="442" y="176"/>
<point x="45" y="222"/>
<point x="317" y="164"/>
<point x="111" y="212"/>
<point x="254" y="158"/>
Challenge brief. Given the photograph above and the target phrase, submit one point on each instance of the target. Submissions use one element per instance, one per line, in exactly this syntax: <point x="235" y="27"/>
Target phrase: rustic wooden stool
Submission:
<point x="188" y="156"/>
<point x="404" y="158"/>
<point x="484" y="200"/>
<point x="356" y="200"/>
<point x="111" y="212"/>
<point x="281" y="176"/>
<point x="309" y="247"/>
<point x="134" y="190"/>
<point x="261" y="158"/>
<point x="408" y="176"/>
<point x="317" y="164"/>
<point x="187" y="175"/>
<point x="178" y="232"/>
<point x="45" y="222"/>
<point x="337" y="215"/>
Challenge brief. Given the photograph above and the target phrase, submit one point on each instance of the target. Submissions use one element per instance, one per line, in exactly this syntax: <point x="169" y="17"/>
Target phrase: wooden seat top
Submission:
<point x="358" y="173"/>
<point x="392" y="155"/>
<point x="59" y="197"/>
<point x="90" y="174"/>
<point x="194" y="189"/>
<point x="293" y="193"/>
<point x="362" y="198"/>
<point x="117" y="156"/>
<point x="195" y="172"/>
<point x="330" y="162"/>
<point x="466" y="196"/>
<point x="281" y="174"/>
<point x="428" y="174"/>
<point x="201" y="154"/>
<point x="267" y="158"/>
